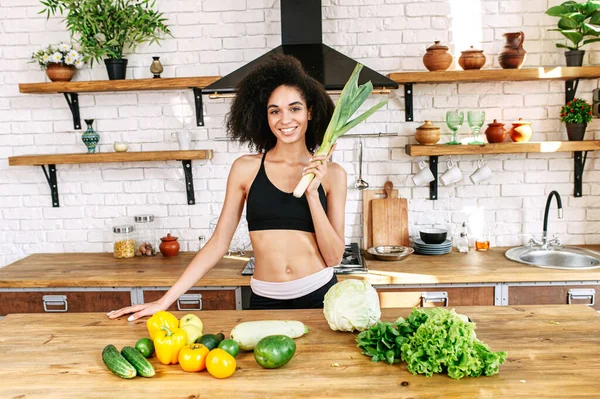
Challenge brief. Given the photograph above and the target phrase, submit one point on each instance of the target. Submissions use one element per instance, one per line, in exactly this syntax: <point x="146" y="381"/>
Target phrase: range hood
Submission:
<point x="301" y="37"/>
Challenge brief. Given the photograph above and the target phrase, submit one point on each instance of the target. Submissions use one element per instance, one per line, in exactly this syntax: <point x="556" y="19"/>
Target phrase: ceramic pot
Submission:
<point x="576" y="131"/>
<point x="521" y="131"/>
<point x="90" y="137"/>
<point x="428" y="134"/>
<point x="169" y="246"/>
<point x="513" y="54"/>
<point x="437" y="57"/>
<point x="574" y="57"/>
<point x="156" y="67"/>
<point x="116" y="68"/>
<point x="471" y="59"/>
<point x="495" y="133"/>
<point x="59" y="72"/>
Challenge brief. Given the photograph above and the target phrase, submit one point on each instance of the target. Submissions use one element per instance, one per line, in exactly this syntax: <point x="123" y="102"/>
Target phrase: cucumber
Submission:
<point x="138" y="361"/>
<point x="211" y="341"/>
<point x="274" y="351"/>
<point x="248" y="333"/>
<point x="116" y="363"/>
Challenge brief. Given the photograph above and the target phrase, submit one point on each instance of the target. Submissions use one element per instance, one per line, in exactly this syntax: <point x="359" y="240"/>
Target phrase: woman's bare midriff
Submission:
<point x="285" y="255"/>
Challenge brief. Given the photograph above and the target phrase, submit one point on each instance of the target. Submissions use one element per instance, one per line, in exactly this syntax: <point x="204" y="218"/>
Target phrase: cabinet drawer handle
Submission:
<point x="55" y="300"/>
<point x="440" y="296"/>
<point x="582" y="293"/>
<point x="190" y="299"/>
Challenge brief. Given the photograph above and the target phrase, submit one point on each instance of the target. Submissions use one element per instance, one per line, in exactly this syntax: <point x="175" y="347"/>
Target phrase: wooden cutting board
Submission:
<point x="367" y="197"/>
<point x="389" y="219"/>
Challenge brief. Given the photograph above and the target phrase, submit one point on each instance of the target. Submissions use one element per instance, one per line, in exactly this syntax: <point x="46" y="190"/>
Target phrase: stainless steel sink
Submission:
<point x="570" y="258"/>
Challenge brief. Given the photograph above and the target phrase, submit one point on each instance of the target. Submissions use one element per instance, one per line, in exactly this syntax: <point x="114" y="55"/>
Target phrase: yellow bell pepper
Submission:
<point x="167" y="344"/>
<point x="161" y="319"/>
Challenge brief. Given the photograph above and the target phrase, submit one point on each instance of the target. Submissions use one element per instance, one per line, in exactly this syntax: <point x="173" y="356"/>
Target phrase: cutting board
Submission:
<point x="367" y="197"/>
<point x="389" y="217"/>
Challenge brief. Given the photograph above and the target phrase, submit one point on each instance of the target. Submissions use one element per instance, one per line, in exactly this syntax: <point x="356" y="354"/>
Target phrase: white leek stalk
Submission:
<point x="352" y="97"/>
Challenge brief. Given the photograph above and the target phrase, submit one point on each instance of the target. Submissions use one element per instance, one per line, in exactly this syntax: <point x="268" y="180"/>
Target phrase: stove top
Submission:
<point x="352" y="262"/>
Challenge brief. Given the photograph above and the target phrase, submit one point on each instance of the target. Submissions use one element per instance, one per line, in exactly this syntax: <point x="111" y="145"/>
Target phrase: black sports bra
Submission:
<point x="269" y="208"/>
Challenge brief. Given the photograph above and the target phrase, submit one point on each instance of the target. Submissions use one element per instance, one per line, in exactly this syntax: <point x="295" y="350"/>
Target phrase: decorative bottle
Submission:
<point x="90" y="138"/>
<point x="156" y="67"/>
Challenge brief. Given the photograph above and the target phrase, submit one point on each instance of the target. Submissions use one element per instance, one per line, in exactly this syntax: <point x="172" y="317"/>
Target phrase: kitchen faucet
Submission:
<point x="555" y="242"/>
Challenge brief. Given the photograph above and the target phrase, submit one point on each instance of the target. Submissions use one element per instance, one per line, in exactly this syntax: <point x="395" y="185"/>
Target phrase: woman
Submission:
<point x="283" y="113"/>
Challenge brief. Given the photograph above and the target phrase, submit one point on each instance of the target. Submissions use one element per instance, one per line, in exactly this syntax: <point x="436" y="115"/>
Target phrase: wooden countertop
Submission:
<point x="552" y="351"/>
<point x="103" y="270"/>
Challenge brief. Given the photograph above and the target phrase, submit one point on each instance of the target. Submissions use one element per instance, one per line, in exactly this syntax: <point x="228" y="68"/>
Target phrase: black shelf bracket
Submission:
<point x="73" y="102"/>
<point x="408" y="102"/>
<point x="199" y="110"/>
<point x="433" y="185"/>
<point x="51" y="177"/>
<point x="579" y="165"/>
<point x="570" y="89"/>
<point x="189" y="181"/>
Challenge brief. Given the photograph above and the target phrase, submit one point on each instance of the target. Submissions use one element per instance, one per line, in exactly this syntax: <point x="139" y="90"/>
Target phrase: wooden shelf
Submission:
<point x="117" y="85"/>
<point x="502" y="148"/>
<point x="107" y="157"/>
<point x="491" y="75"/>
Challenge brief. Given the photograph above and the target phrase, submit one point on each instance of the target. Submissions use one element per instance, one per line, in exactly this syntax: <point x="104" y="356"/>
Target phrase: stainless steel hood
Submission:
<point x="301" y="37"/>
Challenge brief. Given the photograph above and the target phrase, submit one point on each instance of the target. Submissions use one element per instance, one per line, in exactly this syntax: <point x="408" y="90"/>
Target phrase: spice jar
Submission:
<point x="145" y="235"/>
<point x="123" y="241"/>
<point x="169" y="245"/>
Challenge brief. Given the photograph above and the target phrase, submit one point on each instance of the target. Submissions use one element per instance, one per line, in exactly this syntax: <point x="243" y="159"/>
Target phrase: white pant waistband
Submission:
<point x="292" y="289"/>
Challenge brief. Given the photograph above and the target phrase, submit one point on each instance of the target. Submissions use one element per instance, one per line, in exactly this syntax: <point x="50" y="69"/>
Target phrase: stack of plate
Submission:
<point x="432" y="249"/>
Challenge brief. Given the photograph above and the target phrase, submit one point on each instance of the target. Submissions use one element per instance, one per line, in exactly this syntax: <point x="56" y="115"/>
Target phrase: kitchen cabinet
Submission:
<point x="554" y="294"/>
<point x="200" y="299"/>
<point x="61" y="301"/>
<point x="436" y="296"/>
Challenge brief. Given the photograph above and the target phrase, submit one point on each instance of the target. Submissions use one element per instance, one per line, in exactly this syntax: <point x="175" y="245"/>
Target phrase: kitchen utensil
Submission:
<point x="471" y="59"/>
<point x="433" y="236"/>
<point x="390" y="252"/>
<point x="452" y="175"/>
<point x="513" y="54"/>
<point x="428" y="134"/>
<point x="367" y="197"/>
<point x="495" y="133"/>
<point x="169" y="245"/>
<point x="482" y="173"/>
<point x="454" y="120"/>
<point x="521" y="131"/>
<point x="390" y="219"/>
<point x="476" y="119"/>
<point x="360" y="183"/>
<point x="437" y="57"/>
<point x="423" y="176"/>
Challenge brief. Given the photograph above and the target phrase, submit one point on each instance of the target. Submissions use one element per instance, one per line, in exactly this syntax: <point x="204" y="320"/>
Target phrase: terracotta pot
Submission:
<point x="437" y="57"/>
<point x="59" y="72"/>
<point x="495" y="133"/>
<point x="428" y="134"/>
<point x="521" y="131"/>
<point x="513" y="54"/>
<point x="169" y="246"/>
<point x="471" y="59"/>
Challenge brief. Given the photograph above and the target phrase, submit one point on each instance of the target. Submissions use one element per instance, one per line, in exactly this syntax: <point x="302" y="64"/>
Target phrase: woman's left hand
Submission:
<point x="317" y="166"/>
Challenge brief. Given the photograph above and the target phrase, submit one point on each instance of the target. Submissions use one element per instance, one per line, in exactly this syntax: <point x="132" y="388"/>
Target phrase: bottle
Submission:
<point x="463" y="241"/>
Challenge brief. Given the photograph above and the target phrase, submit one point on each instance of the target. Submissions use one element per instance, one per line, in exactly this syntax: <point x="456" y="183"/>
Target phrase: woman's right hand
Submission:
<point x="141" y="310"/>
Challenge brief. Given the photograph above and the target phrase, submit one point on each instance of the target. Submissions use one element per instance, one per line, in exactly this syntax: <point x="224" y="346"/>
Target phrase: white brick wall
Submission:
<point x="215" y="37"/>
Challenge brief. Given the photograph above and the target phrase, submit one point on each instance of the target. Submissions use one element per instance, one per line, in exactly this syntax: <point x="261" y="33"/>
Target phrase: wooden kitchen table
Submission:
<point x="553" y="352"/>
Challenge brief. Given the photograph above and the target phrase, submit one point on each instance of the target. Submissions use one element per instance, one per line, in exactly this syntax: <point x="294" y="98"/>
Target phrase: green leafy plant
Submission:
<point x="576" y="111"/>
<point x="577" y="21"/>
<point x="62" y="54"/>
<point x="103" y="28"/>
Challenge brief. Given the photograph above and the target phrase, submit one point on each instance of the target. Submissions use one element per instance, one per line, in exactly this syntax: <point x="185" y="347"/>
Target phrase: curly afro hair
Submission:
<point x="247" y="119"/>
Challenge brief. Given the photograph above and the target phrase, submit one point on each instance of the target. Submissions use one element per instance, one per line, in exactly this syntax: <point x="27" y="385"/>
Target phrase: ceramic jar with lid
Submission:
<point x="169" y="245"/>
<point x="521" y="131"/>
<point x="471" y="59"/>
<point x="437" y="57"/>
<point x="428" y="134"/>
<point x="495" y="133"/>
<point x="123" y="242"/>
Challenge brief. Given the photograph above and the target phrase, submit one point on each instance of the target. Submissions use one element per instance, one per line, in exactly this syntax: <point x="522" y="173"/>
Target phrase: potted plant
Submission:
<point x="104" y="28"/>
<point x="576" y="114"/>
<point x="59" y="61"/>
<point x="577" y="21"/>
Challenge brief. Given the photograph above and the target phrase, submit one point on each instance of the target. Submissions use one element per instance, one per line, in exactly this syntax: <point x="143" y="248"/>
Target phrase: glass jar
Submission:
<point x="145" y="235"/>
<point x="123" y="241"/>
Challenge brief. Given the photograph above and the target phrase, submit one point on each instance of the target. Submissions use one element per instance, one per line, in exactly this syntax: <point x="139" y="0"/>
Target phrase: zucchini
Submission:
<point x="116" y="363"/>
<point x="247" y="334"/>
<point x="138" y="361"/>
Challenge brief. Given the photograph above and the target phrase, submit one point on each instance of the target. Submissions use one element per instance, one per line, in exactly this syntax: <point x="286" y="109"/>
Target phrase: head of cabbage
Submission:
<point x="351" y="305"/>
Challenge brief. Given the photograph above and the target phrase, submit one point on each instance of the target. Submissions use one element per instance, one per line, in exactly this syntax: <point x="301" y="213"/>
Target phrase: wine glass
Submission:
<point x="454" y="120"/>
<point x="476" y="119"/>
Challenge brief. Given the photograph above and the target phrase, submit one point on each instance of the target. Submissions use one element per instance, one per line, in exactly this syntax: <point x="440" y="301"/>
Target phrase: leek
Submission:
<point x="352" y="97"/>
